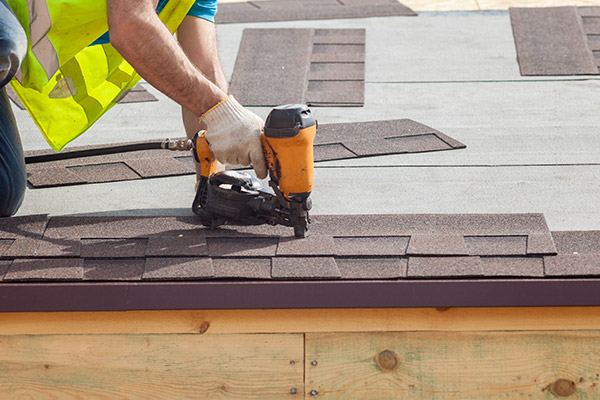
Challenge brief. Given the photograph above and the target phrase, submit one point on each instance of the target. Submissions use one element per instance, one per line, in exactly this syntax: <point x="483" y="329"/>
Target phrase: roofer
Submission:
<point x="71" y="61"/>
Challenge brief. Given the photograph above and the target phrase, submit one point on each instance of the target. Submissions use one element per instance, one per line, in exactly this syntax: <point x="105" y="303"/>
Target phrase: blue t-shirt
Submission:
<point x="205" y="9"/>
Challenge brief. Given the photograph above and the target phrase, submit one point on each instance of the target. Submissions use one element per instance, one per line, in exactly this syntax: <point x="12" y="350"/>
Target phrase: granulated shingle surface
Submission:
<point x="57" y="247"/>
<point x="242" y="268"/>
<point x="333" y="142"/>
<point x="242" y="247"/>
<point x="4" y="245"/>
<point x="572" y="265"/>
<point x="577" y="242"/>
<point x="4" y="265"/>
<point x="578" y="254"/>
<point x="512" y="266"/>
<point x="282" y="10"/>
<point x="24" y="226"/>
<point x="178" y="268"/>
<point x="371" y="246"/>
<point x="187" y="245"/>
<point x="432" y="267"/>
<point x="340" y="246"/>
<point x="45" y="269"/>
<point x="372" y="268"/>
<point x="305" y="268"/>
<point x="282" y="66"/>
<point x="113" y="248"/>
<point x="271" y="66"/>
<point x="437" y="244"/>
<point x="552" y="41"/>
<point x="316" y="245"/>
<point x="113" y="270"/>
<point x="496" y="245"/>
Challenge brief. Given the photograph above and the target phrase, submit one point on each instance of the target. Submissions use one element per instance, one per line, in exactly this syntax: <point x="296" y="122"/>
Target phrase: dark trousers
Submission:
<point x="13" y="179"/>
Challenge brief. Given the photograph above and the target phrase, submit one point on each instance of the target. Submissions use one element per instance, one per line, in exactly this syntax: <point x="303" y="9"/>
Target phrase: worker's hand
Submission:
<point x="233" y="134"/>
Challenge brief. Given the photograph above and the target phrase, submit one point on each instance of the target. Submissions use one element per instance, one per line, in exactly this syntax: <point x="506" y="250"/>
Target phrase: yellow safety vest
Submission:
<point x="64" y="83"/>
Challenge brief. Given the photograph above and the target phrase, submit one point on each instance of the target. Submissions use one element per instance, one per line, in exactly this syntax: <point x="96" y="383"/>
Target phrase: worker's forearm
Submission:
<point x="145" y="42"/>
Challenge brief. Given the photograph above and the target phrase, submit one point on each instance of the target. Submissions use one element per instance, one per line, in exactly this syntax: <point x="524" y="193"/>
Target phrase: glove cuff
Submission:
<point x="223" y="113"/>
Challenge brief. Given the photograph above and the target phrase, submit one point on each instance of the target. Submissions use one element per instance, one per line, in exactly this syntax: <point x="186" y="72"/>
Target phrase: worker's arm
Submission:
<point x="145" y="42"/>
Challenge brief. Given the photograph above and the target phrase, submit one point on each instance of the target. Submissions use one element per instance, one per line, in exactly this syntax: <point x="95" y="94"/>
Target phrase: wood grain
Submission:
<point x="459" y="365"/>
<point x="150" y="366"/>
<point x="301" y="320"/>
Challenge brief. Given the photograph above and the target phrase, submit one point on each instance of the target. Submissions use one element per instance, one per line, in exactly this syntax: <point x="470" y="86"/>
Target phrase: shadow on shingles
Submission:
<point x="181" y="215"/>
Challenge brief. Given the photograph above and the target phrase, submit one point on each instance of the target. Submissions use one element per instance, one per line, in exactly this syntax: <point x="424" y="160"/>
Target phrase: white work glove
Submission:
<point x="233" y="134"/>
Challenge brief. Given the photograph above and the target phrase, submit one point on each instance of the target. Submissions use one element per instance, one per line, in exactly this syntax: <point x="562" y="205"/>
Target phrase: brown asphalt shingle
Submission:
<point x="355" y="247"/>
<point x="4" y="265"/>
<point x="242" y="268"/>
<point x="553" y="41"/>
<point x="45" y="270"/>
<point x="372" y="268"/>
<point x="446" y="267"/>
<point x="305" y="268"/>
<point x="113" y="270"/>
<point x="178" y="268"/>
<point x="283" y="66"/>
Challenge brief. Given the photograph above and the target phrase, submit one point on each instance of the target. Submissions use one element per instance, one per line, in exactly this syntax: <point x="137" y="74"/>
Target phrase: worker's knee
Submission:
<point x="13" y="178"/>
<point x="13" y="44"/>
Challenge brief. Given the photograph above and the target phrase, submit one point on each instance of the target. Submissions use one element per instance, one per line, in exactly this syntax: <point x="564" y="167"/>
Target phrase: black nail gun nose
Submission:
<point x="239" y="198"/>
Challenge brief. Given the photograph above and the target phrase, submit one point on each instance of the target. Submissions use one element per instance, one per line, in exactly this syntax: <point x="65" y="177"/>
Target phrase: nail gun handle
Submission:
<point x="203" y="155"/>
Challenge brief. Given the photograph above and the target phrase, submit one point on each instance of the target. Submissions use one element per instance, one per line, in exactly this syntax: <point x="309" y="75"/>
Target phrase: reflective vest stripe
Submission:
<point x="41" y="46"/>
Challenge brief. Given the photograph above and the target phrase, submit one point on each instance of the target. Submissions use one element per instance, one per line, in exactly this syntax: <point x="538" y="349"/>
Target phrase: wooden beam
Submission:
<point x="151" y="366"/>
<point x="300" y="321"/>
<point x="456" y="365"/>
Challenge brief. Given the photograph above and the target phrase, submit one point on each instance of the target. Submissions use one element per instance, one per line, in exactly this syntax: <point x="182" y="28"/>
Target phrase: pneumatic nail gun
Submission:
<point x="233" y="197"/>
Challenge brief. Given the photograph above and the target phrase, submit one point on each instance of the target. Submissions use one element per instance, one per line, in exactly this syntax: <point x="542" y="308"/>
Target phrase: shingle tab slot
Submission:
<point x="371" y="246"/>
<point x="434" y="244"/>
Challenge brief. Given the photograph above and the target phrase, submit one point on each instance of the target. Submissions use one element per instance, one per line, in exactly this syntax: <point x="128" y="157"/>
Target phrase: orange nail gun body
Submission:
<point x="239" y="198"/>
